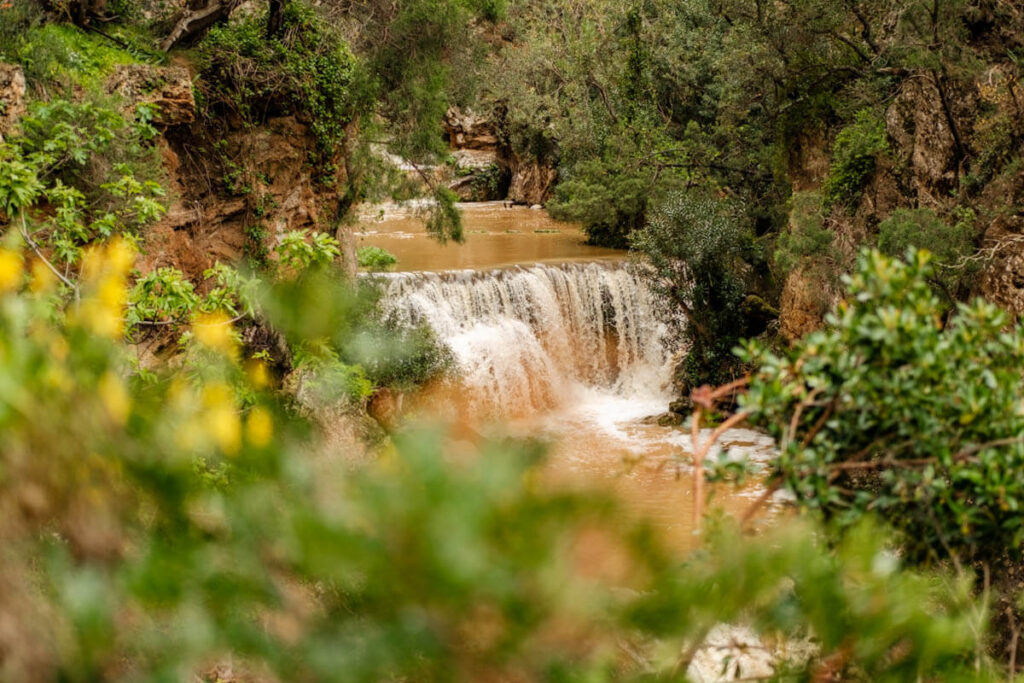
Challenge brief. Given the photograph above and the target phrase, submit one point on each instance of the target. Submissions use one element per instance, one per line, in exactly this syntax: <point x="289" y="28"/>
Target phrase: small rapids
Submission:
<point x="529" y="339"/>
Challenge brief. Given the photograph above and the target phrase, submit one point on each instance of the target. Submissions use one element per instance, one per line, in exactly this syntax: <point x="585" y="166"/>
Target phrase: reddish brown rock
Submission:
<point x="168" y="88"/>
<point x="806" y="298"/>
<point x="532" y="182"/>
<point x="467" y="130"/>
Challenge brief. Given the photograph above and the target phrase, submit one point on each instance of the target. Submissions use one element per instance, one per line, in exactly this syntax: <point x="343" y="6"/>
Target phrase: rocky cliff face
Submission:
<point x="532" y="181"/>
<point x="487" y="169"/>
<point x="479" y="171"/>
<point x="942" y="135"/>
<point x="12" y="97"/>
<point x="234" y="191"/>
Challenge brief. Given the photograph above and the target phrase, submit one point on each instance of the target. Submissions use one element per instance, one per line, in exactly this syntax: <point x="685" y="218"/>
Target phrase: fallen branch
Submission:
<point x="39" y="254"/>
<point x="196" y="22"/>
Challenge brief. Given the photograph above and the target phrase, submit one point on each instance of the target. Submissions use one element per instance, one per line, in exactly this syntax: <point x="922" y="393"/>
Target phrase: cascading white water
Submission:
<point x="527" y="339"/>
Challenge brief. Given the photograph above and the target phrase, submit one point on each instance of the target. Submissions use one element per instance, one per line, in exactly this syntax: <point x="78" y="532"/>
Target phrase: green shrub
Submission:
<point x="853" y="158"/>
<point x="16" y="20"/>
<point x="609" y="196"/>
<point x="300" y="250"/>
<point x="890" y="412"/>
<point x="951" y="245"/>
<point x="807" y="240"/>
<point x="95" y="167"/>
<point x="163" y="295"/>
<point x="694" y="248"/>
<point x="401" y="358"/>
<point x="66" y="56"/>
<point x="375" y="258"/>
<point x="309" y="69"/>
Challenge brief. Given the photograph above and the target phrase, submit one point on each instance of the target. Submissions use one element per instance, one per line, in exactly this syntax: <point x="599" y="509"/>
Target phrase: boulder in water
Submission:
<point x="681" y="406"/>
<point x="664" y="420"/>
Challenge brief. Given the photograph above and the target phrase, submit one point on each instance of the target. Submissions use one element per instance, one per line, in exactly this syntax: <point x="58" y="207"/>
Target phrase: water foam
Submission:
<point x="530" y="339"/>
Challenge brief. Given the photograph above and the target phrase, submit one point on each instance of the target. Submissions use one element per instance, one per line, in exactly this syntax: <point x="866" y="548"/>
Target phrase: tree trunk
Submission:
<point x="194" y="23"/>
<point x="275" y="19"/>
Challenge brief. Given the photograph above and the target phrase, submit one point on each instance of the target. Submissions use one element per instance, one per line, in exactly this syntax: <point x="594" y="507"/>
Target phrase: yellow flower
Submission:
<point x="10" y="270"/>
<point x="259" y="427"/>
<point x="223" y="424"/>
<point x="114" y="397"/>
<point x="221" y="420"/>
<point x="43" y="279"/>
<point x="214" y="331"/>
<point x="113" y="293"/>
<point x="92" y="263"/>
<point x="217" y="394"/>
<point x="102" y="318"/>
<point x="258" y="375"/>
<point x="121" y="255"/>
<point x="59" y="348"/>
<point x="113" y="260"/>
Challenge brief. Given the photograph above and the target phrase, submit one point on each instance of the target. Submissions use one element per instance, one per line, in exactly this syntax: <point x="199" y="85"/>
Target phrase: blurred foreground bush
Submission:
<point x="178" y="523"/>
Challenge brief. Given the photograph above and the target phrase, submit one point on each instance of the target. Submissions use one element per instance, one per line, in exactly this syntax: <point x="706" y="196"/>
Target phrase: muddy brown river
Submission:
<point x="556" y="339"/>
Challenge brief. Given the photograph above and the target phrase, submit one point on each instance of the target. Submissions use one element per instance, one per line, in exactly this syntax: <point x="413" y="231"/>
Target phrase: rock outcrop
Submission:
<point x="932" y="127"/>
<point x="235" y="196"/>
<point x="532" y="181"/>
<point x="926" y="127"/>
<point x="168" y="89"/>
<point x="479" y="175"/>
<point x="467" y="130"/>
<point x="487" y="169"/>
<point x="12" y="97"/>
<point x="806" y="298"/>
<point x="479" y="171"/>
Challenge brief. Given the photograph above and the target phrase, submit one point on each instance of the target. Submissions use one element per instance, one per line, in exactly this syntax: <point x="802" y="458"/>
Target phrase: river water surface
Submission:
<point x="556" y="339"/>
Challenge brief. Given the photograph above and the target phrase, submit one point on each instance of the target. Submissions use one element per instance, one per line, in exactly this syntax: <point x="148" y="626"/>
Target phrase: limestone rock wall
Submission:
<point x="941" y="134"/>
<point x="12" y="97"/>
<point x="486" y="169"/>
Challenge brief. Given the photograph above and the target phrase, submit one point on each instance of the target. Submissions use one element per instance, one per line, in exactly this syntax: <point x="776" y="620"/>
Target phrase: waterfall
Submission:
<point x="528" y="339"/>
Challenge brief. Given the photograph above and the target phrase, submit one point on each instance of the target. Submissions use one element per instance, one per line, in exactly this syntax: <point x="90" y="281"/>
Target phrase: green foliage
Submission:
<point x="444" y="221"/>
<point x="163" y="295"/>
<point x="301" y="249"/>
<point x="308" y="69"/>
<point x="890" y="412"/>
<point x="608" y="196"/>
<point x="64" y="56"/>
<point x="854" y="601"/>
<point x="951" y="245"/>
<point x="20" y="186"/>
<point x="326" y="380"/>
<point x="394" y="355"/>
<point x="93" y="165"/>
<point x="375" y="258"/>
<point x="807" y="240"/>
<point x="486" y="182"/>
<point x="16" y="19"/>
<point x="694" y="249"/>
<point x="853" y="158"/>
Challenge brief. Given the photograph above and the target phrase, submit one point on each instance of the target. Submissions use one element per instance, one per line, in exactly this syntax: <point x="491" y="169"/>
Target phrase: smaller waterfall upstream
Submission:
<point x="527" y="339"/>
